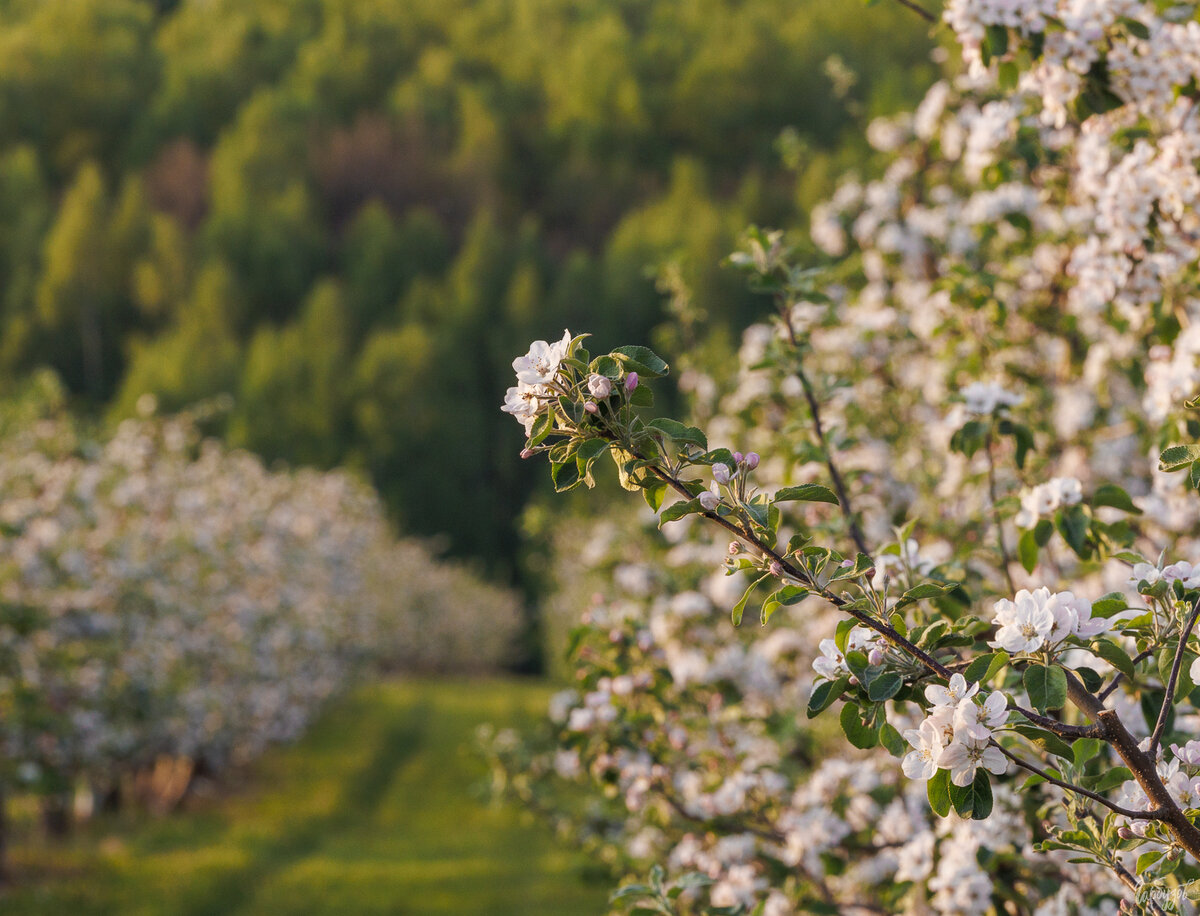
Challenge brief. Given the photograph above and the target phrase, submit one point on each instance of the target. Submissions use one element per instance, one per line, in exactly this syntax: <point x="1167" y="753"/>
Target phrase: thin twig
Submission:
<point x="919" y="10"/>
<point x="1173" y="681"/>
<point x="815" y="410"/>
<point x="1005" y="557"/>
<point x="1116" y="681"/>
<point x="1078" y="790"/>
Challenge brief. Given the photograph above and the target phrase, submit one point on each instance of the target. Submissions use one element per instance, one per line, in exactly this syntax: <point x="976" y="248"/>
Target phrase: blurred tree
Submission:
<point x="298" y="201"/>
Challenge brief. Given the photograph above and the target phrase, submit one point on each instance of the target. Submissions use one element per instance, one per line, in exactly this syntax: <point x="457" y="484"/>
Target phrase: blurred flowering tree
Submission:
<point x="946" y="477"/>
<point x="165" y="598"/>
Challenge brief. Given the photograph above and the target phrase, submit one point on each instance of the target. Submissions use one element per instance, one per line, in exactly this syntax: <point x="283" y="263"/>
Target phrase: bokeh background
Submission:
<point x="323" y="229"/>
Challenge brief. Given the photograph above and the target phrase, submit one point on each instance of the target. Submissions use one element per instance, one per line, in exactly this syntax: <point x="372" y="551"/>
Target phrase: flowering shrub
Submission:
<point x="971" y="367"/>
<point x="162" y="595"/>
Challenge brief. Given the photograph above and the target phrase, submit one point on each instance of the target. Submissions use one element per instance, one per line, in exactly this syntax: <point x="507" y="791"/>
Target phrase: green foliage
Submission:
<point x="382" y="778"/>
<point x="466" y="175"/>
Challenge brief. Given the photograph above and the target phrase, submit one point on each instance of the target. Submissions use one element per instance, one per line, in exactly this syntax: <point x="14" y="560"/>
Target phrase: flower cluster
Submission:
<point x="1046" y="498"/>
<point x="956" y="735"/>
<point x="1040" y="621"/>
<point x="536" y="374"/>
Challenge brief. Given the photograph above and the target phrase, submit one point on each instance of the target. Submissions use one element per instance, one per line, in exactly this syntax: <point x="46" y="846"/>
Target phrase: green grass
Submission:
<point x="371" y="813"/>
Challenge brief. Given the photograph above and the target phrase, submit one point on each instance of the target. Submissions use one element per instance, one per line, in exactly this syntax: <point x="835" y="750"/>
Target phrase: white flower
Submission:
<point x="1024" y="623"/>
<point x="709" y="500"/>
<point x="831" y="664"/>
<point x="984" y="398"/>
<point x="1188" y="754"/>
<point x="1183" y="572"/>
<point x="976" y="722"/>
<point x="598" y="386"/>
<point x="540" y="364"/>
<point x="1047" y="497"/>
<point x="962" y="759"/>
<point x="1144" y="571"/>
<point x="525" y="403"/>
<point x="1194" y="671"/>
<point x="922" y="761"/>
<point x="952" y="695"/>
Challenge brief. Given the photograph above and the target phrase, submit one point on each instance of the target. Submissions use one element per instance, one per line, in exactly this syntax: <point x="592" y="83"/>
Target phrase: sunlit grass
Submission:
<point x="371" y="813"/>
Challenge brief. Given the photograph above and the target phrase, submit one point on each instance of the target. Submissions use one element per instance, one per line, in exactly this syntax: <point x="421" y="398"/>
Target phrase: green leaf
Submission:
<point x="891" y="739"/>
<point x="975" y="800"/>
<point x="938" y="790"/>
<point x="1111" y="778"/>
<point x="1046" y="740"/>
<point x="1046" y="686"/>
<point x="642" y="396"/>
<point x="565" y="475"/>
<point x="1177" y="457"/>
<point x="858" y="732"/>
<point x="792" y="594"/>
<point x="590" y="448"/>
<point x="740" y="607"/>
<point x="629" y="890"/>
<point x="1136" y="28"/>
<point x="997" y="36"/>
<point x="1073" y="526"/>
<point x="1112" y="495"/>
<point x="1115" y="656"/>
<point x="1043" y="531"/>
<point x="654" y="497"/>
<point x="1084" y="749"/>
<point x="1027" y="550"/>
<point x="1146" y="859"/>
<point x="921" y="592"/>
<point x="970" y="438"/>
<point x="1112" y="603"/>
<point x="825" y="693"/>
<point x="808" y="492"/>
<point x="981" y="669"/>
<point x="884" y="687"/>
<point x="678" y="510"/>
<point x="1092" y="681"/>
<point x="677" y="431"/>
<point x="643" y="361"/>
<point x="541" y="429"/>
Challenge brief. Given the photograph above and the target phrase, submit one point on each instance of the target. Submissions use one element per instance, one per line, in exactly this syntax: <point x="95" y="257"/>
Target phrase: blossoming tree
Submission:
<point x="961" y="438"/>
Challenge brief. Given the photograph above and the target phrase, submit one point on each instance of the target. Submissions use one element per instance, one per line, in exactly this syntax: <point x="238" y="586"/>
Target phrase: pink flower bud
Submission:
<point x="631" y="381"/>
<point x="591" y="407"/>
<point x="846" y="564"/>
<point x="876" y="656"/>
<point x="599" y="386"/>
<point x="752" y="461"/>
<point x="854" y="680"/>
<point x="709" y="500"/>
<point x="1125" y="833"/>
<point x="870" y="573"/>
<point x="526" y="453"/>
<point x="734" y="548"/>
<point x="776" y="569"/>
<point x="721" y="473"/>
<point x="739" y="457"/>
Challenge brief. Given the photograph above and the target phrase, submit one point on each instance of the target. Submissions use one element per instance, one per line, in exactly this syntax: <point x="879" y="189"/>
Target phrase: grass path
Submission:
<point x="371" y="813"/>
